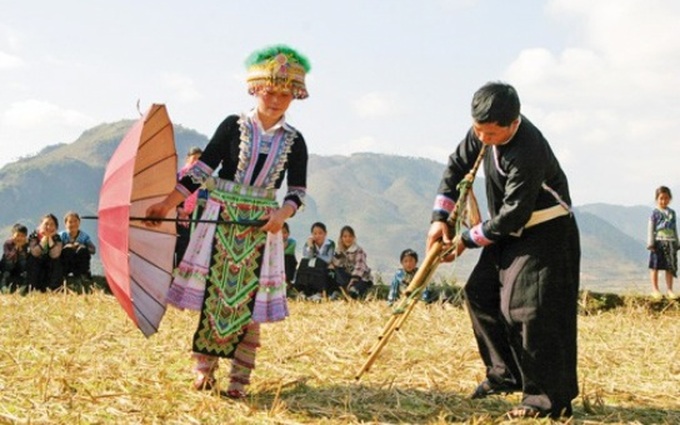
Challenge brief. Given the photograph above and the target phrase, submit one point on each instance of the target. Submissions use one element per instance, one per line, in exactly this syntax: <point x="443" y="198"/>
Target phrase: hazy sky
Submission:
<point x="600" y="78"/>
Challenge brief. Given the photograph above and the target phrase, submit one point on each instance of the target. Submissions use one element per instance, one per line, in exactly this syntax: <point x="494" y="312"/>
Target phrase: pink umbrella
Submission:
<point x="138" y="260"/>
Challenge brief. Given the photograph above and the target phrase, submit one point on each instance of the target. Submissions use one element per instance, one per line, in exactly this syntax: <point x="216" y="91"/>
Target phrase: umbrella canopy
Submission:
<point x="138" y="260"/>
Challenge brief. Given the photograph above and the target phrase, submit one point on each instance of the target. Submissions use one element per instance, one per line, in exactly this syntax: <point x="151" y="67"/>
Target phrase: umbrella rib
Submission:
<point x="147" y="292"/>
<point x="143" y="142"/>
<point x="153" y="113"/>
<point x="140" y="286"/>
<point x="140" y="315"/>
<point x="141" y="170"/>
<point x="144" y="198"/>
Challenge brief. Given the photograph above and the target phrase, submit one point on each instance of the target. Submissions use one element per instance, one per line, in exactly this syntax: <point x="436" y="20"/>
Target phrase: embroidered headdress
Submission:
<point x="279" y="66"/>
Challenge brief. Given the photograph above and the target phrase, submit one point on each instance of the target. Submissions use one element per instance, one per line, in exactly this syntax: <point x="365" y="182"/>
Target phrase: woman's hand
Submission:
<point x="158" y="210"/>
<point x="161" y="209"/>
<point x="276" y="218"/>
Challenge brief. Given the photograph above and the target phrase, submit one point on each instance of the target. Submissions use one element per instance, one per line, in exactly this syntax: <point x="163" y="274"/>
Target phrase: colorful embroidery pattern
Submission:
<point x="250" y="149"/>
<point x="233" y="280"/>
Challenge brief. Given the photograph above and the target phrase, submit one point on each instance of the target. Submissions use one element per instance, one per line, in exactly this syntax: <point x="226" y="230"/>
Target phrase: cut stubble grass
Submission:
<point x="67" y="358"/>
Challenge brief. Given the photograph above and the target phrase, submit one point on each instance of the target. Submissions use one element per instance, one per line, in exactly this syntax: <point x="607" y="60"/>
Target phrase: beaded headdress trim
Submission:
<point x="278" y="66"/>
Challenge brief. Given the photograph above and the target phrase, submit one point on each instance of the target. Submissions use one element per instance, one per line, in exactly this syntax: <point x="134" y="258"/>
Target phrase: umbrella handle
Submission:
<point x="254" y="223"/>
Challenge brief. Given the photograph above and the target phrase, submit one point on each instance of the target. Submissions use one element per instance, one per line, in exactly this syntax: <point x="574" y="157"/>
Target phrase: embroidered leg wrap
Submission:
<point x="206" y="365"/>
<point x="244" y="358"/>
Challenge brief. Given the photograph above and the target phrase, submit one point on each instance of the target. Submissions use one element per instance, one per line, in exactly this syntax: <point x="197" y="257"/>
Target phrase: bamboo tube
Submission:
<point x="406" y="314"/>
<point x="421" y="278"/>
<point x="466" y="208"/>
<point x="389" y="325"/>
<point x="415" y="299"/>
<point x="378" y="348"/>
<point x="396" y="321"/>
<point x="432" y="259"/>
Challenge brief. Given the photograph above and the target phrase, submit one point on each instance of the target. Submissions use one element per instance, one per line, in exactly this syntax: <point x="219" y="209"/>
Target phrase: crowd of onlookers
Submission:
<point x="326" y="270"/>
<point x="339" y="271"/>
<point x="42" y="259"/>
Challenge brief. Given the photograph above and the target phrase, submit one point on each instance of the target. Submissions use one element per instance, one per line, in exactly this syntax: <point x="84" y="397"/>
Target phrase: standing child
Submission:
<point x="78" y="248"/>
<point x="312" y="275"/>
<point x="14" y="255"/>
<point x="662" y="241"/>
<point x="233" y="271"/>
<point x="403" y="276"/>
<point x="43" y="265"/>
<point x="289" y="258"/>
<point x="352" y="274"/>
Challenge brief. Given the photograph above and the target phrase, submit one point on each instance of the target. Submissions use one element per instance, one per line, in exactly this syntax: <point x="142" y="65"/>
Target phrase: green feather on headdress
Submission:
<point x="277" y="66"/>
<point x="270" y="52"/>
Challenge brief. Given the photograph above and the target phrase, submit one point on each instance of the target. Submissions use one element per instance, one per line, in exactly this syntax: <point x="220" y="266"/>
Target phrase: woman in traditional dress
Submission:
<point x="233" y="272"/>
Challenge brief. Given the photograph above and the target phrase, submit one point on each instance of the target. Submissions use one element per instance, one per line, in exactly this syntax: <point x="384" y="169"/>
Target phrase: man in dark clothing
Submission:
<point x="522" y="294"/>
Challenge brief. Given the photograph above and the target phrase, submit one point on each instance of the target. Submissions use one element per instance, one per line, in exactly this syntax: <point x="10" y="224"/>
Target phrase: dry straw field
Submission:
<point x="76" y="359"/>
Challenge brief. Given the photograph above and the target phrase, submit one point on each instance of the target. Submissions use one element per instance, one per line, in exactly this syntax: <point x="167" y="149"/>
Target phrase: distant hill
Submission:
<point x="67" y="176"/>
<point x="386" y="198"/>
<point x="629" y="220"/>
<point x="611" y="260"/>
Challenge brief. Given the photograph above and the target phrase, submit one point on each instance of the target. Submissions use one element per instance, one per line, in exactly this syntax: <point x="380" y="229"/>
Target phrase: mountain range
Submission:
<point x="386" y="199"/>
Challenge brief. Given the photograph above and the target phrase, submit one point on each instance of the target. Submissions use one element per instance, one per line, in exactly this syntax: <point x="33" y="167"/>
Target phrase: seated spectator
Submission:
<point x="403" y="276"/>
<point x="289" y="257"/>
<point x="312" y="278"/>
<point x="43" y="265"/>
<point x="14" y="255"/>
<point x="350" y="271"/>
<point x="77" y="250"/>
